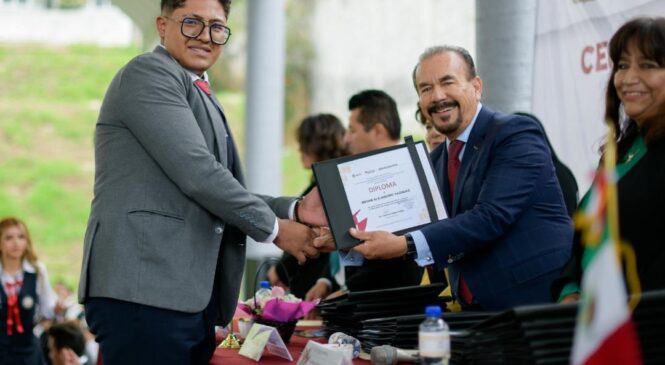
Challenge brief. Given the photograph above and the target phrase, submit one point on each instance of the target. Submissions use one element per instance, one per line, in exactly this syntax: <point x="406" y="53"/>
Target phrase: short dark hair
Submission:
<point x="648" y="33"/>
<point x="377" y="107"/>
<point x="322" y="136"/>
<point x="432" y="51"/>
<point x="68" y="335"/>
<point x="168" y="6"/>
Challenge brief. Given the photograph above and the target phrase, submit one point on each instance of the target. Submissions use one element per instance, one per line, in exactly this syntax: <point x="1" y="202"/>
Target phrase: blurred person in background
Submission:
<point x="66" y="344"/>
<point x="26" y="297"/>
<point x="635" y="97"/>
<point x="320" y="137"/>
<point x="374" y="123"/>
<point x="432" y="136"/>
<point x="67" y="309"/>
<point x="566" y="178"/>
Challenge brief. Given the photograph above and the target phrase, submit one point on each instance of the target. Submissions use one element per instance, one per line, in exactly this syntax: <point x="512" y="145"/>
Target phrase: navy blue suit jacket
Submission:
<point x="508" y="231"/>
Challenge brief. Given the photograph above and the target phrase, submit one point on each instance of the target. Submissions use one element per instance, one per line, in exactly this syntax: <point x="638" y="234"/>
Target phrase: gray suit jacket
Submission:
<point x="164" y="196"/>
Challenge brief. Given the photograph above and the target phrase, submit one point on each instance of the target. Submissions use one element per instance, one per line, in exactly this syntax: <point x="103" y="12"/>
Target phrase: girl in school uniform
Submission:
<point x="26" y="296"/>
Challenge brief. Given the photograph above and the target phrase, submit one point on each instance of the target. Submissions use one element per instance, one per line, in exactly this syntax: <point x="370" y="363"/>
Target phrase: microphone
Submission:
<point x="388" y="355"/>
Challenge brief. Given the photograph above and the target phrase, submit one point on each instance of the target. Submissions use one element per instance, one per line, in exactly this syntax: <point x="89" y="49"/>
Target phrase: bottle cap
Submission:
<point x="433" y="311"/>
<point x="265" y="284"/>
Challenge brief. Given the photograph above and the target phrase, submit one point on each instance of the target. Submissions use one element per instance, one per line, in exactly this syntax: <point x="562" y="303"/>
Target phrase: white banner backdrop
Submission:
<point x="571" y="71"/>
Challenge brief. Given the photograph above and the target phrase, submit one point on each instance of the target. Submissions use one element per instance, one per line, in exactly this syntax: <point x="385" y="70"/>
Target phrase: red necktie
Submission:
<point x="453" y="168"/>
<point x="13" y="312"/>
<point x="203" y="86"/>
<point x="453" y="165"/>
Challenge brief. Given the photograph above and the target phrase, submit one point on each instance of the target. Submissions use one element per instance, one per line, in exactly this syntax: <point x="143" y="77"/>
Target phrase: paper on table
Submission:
<point x="320" y="354"/>
<point x="262" y="337"/>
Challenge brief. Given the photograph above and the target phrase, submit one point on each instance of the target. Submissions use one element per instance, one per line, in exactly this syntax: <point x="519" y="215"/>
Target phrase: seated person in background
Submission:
<point x="26" y="297"/>
<point x="66" y="344"/>
<point x="636" y="85"/>
<point x="508" y="233"/>
<point x="432" y="136"/>
<point x="374" y="123"/>
<point x="320" y="137"/>
<point x="563" y="174"/>
<point x="67" y="307"/>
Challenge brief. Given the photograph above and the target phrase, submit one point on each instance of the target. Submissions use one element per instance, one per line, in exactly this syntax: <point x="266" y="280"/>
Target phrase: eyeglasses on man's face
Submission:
<point x="192" y="28"/>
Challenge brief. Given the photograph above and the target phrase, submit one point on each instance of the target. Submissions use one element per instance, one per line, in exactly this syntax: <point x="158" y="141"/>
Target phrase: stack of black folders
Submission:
<point x="389" y="316"/>
<point x="543" y="334"/>
<point x="536" y="334"/>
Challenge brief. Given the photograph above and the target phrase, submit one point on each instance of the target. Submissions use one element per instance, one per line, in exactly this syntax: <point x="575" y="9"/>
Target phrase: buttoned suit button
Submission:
<point x="218" y="230"/>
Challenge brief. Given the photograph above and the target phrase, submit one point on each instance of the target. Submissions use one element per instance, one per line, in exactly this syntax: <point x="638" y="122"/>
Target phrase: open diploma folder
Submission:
<point x="391" y="189"/>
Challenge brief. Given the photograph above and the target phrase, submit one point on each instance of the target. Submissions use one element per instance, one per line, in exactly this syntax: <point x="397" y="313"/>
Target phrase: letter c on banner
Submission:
<point x="586" y="66"/>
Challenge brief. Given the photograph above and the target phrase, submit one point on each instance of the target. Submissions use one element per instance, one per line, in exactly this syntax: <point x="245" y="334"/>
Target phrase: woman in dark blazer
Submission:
<point x="636" y="96"/>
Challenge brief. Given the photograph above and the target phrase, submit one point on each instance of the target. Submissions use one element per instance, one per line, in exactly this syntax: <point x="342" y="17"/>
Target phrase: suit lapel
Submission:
<point x="217" y="120"/>
<point x="237" y="171"/>
<point x="214" y="116"/>
<point x="440" y="162"/>
<point x="473" y="145"/>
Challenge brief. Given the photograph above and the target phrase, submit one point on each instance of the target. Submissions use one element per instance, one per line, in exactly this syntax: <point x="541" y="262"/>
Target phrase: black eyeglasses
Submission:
<point x="192" y="28"/>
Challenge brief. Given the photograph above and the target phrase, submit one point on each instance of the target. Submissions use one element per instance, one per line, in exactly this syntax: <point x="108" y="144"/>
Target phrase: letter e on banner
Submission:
<point x="601" y="56"/>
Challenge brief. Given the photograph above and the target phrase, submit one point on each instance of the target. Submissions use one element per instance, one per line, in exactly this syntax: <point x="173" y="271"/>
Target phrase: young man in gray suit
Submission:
<point x="165" y="245"/>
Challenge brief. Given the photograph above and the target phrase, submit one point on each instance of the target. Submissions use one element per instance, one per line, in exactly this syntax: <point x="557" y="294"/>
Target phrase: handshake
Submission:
<point x="307" y="235"/>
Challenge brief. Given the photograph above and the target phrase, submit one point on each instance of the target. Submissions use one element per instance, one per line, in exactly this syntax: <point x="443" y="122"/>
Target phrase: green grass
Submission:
<point x="67" y="74"/>
<point x="49" y="101"/>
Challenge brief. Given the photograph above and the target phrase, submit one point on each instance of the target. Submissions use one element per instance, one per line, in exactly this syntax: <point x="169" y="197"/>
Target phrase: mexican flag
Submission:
<point x="604" y="333"/>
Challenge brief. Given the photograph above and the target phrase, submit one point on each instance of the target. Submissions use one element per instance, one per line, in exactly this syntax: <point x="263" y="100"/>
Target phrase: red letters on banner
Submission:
<point x="595" y="58"/>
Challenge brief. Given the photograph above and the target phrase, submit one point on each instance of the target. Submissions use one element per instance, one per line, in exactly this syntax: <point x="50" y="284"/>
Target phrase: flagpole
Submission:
<point x="620" y="248"/>
<point x="609" y="164"/>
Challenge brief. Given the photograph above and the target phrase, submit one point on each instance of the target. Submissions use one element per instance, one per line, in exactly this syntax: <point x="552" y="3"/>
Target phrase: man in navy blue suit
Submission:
<point x="508" y="233"/>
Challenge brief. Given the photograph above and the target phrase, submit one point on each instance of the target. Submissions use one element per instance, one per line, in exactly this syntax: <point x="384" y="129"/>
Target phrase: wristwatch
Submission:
<point x="411" y="251"/>
<point x="295" y="210"/>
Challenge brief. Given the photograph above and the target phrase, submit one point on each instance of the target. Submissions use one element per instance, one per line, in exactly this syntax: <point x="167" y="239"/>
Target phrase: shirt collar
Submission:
<point x="26" y="266"/>
<point x="191" y="74"/>
<point x="464" y="136"/>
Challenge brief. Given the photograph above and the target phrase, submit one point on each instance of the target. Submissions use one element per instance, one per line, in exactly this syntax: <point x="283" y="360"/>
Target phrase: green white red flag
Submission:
<point x="604" y="333"/>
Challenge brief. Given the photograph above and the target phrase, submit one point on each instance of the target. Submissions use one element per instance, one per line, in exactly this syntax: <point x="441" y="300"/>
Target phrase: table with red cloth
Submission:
<point x="296" y="346"/>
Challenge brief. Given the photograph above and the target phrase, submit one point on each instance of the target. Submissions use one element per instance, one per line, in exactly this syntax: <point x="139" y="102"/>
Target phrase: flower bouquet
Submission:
<point x="279" y="310"/>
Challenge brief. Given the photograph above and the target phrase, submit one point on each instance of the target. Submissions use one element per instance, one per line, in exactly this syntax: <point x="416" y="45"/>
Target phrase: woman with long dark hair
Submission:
<point x="635" y="105"/>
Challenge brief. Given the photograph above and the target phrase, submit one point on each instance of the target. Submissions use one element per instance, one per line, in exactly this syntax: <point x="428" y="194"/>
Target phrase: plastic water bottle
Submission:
<point x="434" y="338"/>
<point x="263" y="294"/>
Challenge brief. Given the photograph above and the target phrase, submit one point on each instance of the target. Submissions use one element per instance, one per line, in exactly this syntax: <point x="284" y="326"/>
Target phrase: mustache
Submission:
<point x="442" y="105"/>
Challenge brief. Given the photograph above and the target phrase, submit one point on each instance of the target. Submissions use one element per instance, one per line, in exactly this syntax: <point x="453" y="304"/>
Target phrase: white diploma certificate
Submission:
<point x="384" y="193"/>
<point x="392" y="189"/>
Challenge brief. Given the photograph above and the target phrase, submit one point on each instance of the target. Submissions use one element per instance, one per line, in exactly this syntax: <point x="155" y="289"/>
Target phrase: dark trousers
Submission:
<point x="29" y="354"/>
<point x="130" y="333"/>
